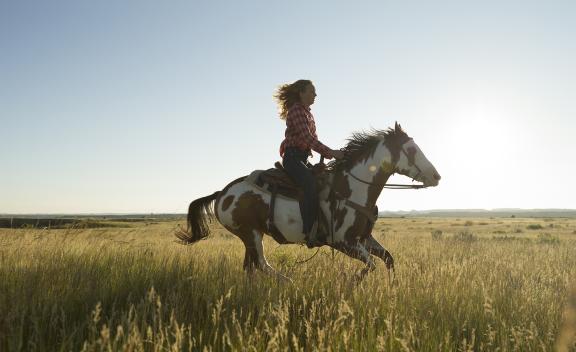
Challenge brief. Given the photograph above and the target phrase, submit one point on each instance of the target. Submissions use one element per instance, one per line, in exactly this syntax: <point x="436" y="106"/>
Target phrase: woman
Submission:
<point x="294" y="101"/>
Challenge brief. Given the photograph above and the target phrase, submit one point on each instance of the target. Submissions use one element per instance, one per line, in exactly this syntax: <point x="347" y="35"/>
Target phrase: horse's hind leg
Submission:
<point x="254" y="257"/>
<point x="250" y="256"/>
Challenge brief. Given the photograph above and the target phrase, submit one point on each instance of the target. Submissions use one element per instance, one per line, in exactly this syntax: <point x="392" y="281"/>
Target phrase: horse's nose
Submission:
<point x="436" y="176"/>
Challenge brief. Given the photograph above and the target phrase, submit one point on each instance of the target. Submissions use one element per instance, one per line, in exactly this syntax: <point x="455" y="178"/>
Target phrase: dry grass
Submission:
<point x="480" y="285"/>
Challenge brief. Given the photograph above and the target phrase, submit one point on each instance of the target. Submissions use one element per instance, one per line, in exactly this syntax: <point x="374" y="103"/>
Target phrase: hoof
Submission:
<point x="389" y="261"/>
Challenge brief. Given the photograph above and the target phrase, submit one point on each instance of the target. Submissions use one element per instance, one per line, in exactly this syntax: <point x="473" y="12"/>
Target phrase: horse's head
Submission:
<point x="410" y="161"/>
<point x="393" y="150"/>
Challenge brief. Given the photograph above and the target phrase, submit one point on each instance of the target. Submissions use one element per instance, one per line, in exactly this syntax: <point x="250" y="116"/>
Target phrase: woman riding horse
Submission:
<point x="348" y="196"/>
<point x="294" y="101"/>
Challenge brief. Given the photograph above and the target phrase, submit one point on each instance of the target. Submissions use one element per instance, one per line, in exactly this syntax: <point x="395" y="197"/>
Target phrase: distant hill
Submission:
<point x="53" y="221"/>
<point x="66" y="220"/>
<point x="138" y="216"/>
<point x="478" y="213"/>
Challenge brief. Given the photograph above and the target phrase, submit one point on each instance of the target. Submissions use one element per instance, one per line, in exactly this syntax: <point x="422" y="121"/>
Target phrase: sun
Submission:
<point x="483" y="136"/>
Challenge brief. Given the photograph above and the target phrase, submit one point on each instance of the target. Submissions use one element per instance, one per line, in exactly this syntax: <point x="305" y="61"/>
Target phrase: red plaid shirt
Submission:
<point x="301" y="132"/>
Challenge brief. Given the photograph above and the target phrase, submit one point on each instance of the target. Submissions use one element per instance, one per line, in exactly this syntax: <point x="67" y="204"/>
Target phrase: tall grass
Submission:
<point x="137" y="290"/>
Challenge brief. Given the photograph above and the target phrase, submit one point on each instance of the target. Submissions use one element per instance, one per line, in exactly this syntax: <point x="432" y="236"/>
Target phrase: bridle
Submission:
<point x="395" y="185"/>
<point x="411" y="161"/>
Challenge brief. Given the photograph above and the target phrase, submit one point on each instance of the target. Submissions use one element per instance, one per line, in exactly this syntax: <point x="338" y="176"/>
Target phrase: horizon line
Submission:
<point x="380" y="211"/>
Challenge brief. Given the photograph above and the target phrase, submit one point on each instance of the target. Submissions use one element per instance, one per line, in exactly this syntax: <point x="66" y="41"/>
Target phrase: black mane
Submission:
<point x="362" y="145"/>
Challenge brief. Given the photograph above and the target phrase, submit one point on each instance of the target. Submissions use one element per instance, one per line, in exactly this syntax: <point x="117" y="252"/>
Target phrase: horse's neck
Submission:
<point x="373" y="171"/>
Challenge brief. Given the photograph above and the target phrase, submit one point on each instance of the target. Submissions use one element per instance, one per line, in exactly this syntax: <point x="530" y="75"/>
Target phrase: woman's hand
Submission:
<point x="337" y="154"/>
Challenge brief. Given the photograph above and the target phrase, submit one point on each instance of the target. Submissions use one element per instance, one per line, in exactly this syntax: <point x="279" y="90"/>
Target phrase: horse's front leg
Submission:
<point x="376" y="249"/>
<point x="357" y="251"/>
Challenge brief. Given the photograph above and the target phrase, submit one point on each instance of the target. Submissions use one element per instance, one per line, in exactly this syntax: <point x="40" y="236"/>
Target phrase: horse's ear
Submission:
<point x="397" y="127"/>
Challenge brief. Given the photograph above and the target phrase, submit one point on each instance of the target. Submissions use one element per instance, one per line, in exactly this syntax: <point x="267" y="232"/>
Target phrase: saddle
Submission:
<point x="276" y="180"/>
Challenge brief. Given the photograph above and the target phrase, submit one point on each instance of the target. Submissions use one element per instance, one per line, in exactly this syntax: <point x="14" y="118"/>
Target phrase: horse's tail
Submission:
<point x="200" y="213"/>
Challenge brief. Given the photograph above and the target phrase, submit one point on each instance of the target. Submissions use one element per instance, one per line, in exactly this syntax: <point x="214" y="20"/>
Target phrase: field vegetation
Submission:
<point x="463" y="284"/>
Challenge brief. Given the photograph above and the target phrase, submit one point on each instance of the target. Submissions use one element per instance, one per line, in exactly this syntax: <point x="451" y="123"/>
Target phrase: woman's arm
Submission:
<point x="297" y="120"/>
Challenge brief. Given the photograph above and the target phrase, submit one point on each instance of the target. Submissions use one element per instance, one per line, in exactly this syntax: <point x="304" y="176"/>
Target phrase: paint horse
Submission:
<point x="347" y="198"/>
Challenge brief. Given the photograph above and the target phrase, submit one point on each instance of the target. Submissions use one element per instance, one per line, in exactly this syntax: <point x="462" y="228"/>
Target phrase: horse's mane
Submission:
<point x="362" y="145"/>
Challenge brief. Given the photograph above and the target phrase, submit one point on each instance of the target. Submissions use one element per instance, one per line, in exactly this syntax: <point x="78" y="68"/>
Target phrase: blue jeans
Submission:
<point x="296" y="164"/>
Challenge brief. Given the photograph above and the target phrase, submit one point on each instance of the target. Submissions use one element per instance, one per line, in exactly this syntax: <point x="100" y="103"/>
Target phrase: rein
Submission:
<point x="387" y="185"/>
<point x="400" y="186"/>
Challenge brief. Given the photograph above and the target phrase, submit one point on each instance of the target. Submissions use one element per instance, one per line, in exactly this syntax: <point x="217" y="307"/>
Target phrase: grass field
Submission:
<point x="462" y="284"/>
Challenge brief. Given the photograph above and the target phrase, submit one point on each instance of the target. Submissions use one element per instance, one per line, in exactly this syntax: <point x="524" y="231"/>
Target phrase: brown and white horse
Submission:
<point x="348" y="199"/>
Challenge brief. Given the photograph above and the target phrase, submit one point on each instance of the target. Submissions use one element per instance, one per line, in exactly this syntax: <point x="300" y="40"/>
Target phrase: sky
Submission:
<point x="143" y="106"/>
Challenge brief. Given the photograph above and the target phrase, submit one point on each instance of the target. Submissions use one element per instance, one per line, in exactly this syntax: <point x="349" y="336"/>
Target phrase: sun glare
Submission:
<point x="483" y="136"/>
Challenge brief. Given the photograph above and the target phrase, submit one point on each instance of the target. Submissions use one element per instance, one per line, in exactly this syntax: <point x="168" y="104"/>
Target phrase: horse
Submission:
<point x="348" y="198"/>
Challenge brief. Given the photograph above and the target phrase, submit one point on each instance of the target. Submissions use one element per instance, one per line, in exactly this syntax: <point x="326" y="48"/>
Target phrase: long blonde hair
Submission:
<point x="289" y="94"/>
